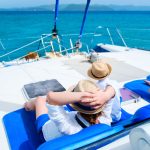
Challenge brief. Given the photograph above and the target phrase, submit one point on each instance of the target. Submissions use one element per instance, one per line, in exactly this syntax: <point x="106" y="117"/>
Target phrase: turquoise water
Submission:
<point x="19" y="28"/>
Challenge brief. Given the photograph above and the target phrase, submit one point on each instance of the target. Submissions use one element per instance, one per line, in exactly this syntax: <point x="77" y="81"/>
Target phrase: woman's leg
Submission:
<point x="45" y="127"/>
<point x="39" y="105"/>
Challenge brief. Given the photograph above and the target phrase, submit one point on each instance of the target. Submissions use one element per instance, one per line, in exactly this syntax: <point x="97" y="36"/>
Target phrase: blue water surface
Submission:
<point x="19" y="28"/>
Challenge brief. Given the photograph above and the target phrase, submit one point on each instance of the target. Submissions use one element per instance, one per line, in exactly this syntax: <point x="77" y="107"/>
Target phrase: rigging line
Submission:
<point x="21" y="38"/>
<point x="111" y="39"/>
<point x="56" y="13"/>
<point x="142" y="29"/>
<point x="121" y="37"/>
<point x="2" y="45"/>
<point x="74" y="34"/>
<point x="84" y="17"/>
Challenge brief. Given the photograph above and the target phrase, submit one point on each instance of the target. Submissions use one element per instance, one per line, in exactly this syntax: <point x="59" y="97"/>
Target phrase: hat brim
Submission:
<point x="98" y="78"/>
<point x="85" y="109"/>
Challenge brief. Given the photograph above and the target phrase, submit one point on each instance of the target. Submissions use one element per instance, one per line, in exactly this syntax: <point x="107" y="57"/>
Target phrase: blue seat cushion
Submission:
<point x="22" y="134"/>
<point x="84" y="137"/>
<point x="148" y="77"/>
<point x="124" y="117"/>
<point x="139" y="87"/>
<point x="21" y="130"/>
<point x="141" y="114"/>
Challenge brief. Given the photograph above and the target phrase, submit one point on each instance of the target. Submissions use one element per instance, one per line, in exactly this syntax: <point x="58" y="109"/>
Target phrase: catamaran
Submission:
<point x="130" y="68"/>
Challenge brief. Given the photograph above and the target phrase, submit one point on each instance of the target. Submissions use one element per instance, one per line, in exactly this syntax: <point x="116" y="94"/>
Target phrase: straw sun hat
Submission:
<point x="85" y="86"/>
<point x="99" y="70"/>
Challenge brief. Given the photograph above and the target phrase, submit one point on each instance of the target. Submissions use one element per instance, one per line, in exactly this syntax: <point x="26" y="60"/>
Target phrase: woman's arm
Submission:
<point x="62" y="98"/>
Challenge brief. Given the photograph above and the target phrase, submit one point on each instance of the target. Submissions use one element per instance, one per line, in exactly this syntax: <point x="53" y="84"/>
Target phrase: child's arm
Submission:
<point x="100" y="98"/>
<point x="62" y="98"/>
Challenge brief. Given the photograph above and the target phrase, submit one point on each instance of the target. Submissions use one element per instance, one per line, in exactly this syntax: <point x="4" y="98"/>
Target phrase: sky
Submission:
<point x="28" y="3"/>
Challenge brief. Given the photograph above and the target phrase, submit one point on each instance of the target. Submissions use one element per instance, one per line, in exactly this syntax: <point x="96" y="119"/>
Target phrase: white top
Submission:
<point x="60" y="123"/>
<point x="63" y="122"/>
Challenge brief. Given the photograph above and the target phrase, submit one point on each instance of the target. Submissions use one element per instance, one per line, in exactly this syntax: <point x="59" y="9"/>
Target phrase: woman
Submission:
<point x="60" y="122"/>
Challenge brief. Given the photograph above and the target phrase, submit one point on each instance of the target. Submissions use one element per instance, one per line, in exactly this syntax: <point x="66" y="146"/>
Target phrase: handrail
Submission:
<point x="34" y="51"/>
<point x="110" y="36"/>
<point x="121" y="37"/>
<point x="23" y="46"/>
<point x="62" y="42"/>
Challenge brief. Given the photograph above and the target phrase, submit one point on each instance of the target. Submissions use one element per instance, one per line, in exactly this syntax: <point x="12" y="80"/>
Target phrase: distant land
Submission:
<point x="80" y="7"/>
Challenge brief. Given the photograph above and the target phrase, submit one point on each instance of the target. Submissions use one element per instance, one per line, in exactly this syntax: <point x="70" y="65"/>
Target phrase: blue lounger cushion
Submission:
<point x="22" y="134"/>
<point x="139" y="87"/>
<point x="21" y="130"/>
<point x="84" y="137"/>
<point x="141" y="114"/>
<point x="97" y="132"/>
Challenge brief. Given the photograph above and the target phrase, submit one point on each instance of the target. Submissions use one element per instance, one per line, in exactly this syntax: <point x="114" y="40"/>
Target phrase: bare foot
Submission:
<point x="147" y="82"/>
<point x="29" y="106"/>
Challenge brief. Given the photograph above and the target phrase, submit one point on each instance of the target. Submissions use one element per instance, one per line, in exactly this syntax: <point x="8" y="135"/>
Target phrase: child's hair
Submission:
<point x="91" y="118"/>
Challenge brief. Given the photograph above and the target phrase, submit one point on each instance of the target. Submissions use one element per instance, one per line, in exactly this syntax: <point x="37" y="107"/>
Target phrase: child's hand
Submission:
<point x="96" y="100"/>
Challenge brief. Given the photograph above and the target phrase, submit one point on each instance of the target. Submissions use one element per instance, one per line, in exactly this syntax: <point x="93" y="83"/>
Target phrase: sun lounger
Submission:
<point x="21" y="131"/>
<point x="140" y="87"/>
<point x="22" y="134"/>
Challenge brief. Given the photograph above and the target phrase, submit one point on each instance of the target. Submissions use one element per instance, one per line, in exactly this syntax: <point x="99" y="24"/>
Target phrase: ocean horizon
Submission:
<point x="18" y="28"/>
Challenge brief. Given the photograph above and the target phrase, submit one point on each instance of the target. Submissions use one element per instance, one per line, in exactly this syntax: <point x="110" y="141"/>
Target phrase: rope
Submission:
<point x="56" y="13"/>
<point x="78" y="44"/>
<point x="84" y="17"/>
<point x="54" y="31"/>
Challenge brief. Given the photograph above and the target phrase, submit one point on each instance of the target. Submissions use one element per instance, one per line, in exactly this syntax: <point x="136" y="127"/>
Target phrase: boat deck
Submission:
<point x="68" y="71"/>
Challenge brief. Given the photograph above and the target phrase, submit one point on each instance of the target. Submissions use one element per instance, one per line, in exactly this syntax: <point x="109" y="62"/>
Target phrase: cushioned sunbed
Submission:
<point x="139" y="87"/>
<point x="21" y="131"/>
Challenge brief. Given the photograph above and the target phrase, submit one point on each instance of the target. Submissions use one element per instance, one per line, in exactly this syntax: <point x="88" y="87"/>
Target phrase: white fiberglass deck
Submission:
<point x="13" y="78"/>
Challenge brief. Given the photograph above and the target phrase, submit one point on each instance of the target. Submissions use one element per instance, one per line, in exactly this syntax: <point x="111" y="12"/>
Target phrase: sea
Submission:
<point x="17" y="28"/>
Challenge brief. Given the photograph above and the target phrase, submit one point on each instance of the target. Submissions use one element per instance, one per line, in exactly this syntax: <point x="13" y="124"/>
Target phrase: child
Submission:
<point x="100" y="72"/>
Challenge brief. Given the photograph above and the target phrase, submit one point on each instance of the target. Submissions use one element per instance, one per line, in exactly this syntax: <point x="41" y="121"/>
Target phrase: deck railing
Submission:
<point x="64" y="43"/>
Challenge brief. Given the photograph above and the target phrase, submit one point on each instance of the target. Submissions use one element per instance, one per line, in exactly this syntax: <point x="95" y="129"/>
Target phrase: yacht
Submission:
<point x="131" y="67"/>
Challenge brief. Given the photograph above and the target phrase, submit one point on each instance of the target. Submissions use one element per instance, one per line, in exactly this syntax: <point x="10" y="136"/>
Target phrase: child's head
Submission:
<point x="87" y="112"/>
<point x="99" y="70"/>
